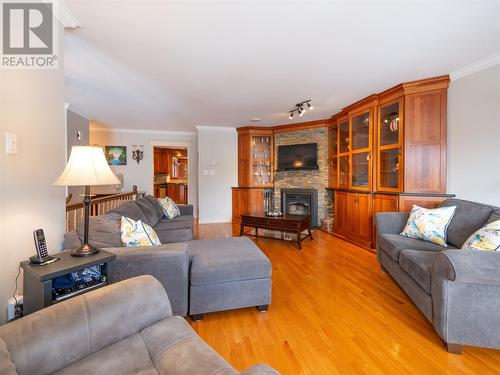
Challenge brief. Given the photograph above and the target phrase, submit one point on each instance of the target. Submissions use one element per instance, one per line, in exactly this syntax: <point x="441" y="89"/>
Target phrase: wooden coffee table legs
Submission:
<point x="299" y="237"/>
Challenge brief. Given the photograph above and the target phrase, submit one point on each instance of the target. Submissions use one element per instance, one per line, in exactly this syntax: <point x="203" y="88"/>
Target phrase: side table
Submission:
<point x="37" y="284"/>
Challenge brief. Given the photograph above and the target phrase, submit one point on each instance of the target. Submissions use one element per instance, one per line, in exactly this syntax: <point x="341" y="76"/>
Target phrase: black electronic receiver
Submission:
<point x="81" y="286"/>
<point x="42" y="256"/>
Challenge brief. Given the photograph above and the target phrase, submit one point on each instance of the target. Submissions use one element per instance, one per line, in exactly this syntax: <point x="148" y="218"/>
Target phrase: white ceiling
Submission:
<point x="172" y="65"/>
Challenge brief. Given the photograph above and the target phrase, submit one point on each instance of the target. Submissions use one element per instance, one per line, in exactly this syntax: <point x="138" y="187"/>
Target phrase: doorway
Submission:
<point x="171" y="173"/>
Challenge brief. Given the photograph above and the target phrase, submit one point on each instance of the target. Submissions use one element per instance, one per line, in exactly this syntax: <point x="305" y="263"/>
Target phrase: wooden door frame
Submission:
<point x="173" y="144"/>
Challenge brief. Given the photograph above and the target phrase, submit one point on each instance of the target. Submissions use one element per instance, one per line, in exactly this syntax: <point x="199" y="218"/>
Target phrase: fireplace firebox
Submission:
<point x="301" y="202"/>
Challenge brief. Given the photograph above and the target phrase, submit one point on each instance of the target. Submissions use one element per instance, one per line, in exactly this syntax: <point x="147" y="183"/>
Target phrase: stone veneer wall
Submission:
<point x="306" y="179"/>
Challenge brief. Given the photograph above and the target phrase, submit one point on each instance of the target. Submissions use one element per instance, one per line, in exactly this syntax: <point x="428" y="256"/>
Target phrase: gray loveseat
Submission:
<point x="200" y="276"/>
<point x="457" y="290"/>
<point x="124" y="328"/>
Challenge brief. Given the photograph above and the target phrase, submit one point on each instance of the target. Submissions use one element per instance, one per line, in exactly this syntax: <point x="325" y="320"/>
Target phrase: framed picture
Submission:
<point x="116" y="155"/>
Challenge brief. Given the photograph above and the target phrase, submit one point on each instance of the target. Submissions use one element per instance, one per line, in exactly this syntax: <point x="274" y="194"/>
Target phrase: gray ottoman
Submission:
<point x="227" y="273"/>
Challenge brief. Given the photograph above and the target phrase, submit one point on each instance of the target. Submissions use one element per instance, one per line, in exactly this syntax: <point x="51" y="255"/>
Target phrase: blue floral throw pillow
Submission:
<point x="429" y="225"/>
<point x="170" y="209"/>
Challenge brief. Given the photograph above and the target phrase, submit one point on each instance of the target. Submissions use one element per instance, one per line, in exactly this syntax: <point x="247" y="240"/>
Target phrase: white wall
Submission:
<point x="474" y="136"/>
<point x="31" y="106"/>
<point x="142" y="174"/>
<point x="218" y="152"/>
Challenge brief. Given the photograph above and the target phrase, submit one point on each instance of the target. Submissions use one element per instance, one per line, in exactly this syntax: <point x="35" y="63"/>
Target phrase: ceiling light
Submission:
<point x="299" y="108"/>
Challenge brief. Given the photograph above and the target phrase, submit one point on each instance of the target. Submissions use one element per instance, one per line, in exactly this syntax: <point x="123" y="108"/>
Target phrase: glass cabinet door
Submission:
<point x="389" y="125"/>
<point x="389" y="168"/>
<point x="334" y="141"/>
<point x="261" y="160"/>
<point x="361" y="131"/>
<point x="344" y="137"/>
<point x="344" y="171"/>
<point x="360" y="169"/>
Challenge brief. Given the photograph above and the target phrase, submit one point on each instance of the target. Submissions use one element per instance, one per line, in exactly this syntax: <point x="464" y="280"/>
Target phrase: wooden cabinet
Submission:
<point x="392" y="147"/>
<point x="246" y="201"/>
<point x="353" y="216"/>
<point x="255" y="170"/>
<point x="255" y="157"/>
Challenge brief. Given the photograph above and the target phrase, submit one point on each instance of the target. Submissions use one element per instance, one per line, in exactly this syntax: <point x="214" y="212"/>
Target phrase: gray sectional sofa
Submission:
<point x="200" y="276"/>
<point x="457" y="290"/>
<point x="111" y="331"/>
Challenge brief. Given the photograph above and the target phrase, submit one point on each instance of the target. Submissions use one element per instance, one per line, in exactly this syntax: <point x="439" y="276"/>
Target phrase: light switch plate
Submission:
<point x="212" y="172"/>
<point x="10" y="144"/>
<point x="206" y="172"/>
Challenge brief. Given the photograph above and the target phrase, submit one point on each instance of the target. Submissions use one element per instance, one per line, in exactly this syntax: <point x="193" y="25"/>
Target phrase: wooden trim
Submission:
<point x="362" y="105"/>
<point x="301" y="126"/>
<point x="253" y="128"/>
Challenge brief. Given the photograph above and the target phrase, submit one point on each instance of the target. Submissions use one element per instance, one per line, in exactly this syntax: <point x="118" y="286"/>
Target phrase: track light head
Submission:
<point x="291" y="116"/>
<point x="310" y="106"/>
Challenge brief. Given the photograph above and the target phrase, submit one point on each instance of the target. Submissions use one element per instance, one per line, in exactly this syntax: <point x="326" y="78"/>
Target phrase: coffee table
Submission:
<point x="285" y="224"/>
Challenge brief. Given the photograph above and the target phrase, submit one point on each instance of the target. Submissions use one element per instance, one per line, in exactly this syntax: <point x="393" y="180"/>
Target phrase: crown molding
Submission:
<point x="206" y="127"/>
<point x="64" y="14"/>
<point x="141" y="131"/>
<point x="475" y="67"/>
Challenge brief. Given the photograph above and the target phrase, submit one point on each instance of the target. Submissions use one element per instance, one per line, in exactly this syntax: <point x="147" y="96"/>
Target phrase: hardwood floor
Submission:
<point x="333" y="312"/>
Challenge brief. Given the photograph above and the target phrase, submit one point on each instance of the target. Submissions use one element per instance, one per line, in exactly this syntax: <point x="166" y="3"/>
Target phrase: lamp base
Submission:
<point x="84" y="251"/>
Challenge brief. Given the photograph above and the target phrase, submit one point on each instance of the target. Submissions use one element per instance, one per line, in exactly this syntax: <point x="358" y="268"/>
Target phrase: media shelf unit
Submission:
<point x="38" y="280"/>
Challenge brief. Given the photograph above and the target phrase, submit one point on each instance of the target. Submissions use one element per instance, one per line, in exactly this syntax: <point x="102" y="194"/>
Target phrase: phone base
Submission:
<point x="84" y="251"/>
<point x="43" y="261"/>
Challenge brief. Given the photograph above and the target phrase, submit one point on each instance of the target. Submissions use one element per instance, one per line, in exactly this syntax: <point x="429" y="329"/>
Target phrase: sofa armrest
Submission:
<point x="260" y="370"/>
<point x="391" y="222"/>
<point x="169" y="263"/>
<point x="465" y="288"/>
<point x="186" y="209"/>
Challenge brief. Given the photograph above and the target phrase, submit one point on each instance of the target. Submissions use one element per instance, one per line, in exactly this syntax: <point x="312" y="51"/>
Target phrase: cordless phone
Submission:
<point x="42" y="256"/>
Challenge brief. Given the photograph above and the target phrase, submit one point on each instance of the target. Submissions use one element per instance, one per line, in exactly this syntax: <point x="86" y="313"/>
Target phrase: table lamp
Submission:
<point x="87" y="167"/>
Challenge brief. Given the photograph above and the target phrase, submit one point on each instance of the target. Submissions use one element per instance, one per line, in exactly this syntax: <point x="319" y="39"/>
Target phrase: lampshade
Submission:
<point x="87" y="166"/>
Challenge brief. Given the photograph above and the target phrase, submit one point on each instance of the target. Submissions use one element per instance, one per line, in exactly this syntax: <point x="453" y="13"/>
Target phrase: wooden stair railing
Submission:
<point x="98" y="206"/>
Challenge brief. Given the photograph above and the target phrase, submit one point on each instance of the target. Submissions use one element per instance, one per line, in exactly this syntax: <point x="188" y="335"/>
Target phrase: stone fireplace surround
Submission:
<point x="305" y="179"/>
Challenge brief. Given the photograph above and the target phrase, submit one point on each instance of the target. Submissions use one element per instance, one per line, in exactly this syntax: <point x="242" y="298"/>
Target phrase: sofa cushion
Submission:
<point x="129" y="356"/>
<point x="149" y="211"/>
<point x="392" y="244"/>
<point x="175" y="348"/>
<point x="127" y="209"/>
<point x="495" y="215"/>
<point x="104" y="231"/>
<point x="226" y="259"/>
<point x="418" y="265"/>
<point x="178" y="222"/>
<point x="468" y="218"/>
<point x="175" y="235"/>
<point x="6" y="365"/>
<point x="154" y="202"/>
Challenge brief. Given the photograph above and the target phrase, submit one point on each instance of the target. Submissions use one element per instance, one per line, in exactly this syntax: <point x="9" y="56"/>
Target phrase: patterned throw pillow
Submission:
<point x="486" y="238"/>
<point x="429" y="224"/>
<point x="170" y="209"/>
<point x="137" y="233"/>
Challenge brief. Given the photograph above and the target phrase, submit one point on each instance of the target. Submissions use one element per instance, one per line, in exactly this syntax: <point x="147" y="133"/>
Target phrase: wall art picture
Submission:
<point x="116" y="155"/>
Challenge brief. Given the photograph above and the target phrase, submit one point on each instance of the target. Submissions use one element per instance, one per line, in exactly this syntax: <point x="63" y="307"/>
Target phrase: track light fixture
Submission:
<point x="299" y="108"/>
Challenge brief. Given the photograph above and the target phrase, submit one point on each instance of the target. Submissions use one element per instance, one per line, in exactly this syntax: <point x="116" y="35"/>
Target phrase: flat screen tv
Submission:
<point x="304" y="156"/>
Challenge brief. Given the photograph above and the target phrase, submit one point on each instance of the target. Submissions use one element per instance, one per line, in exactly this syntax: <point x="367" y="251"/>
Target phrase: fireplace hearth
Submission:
<point x="301" y="202"/>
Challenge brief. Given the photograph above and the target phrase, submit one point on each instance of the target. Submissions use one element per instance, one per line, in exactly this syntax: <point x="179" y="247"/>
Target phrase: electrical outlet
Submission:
<point x="15" y="311"/>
